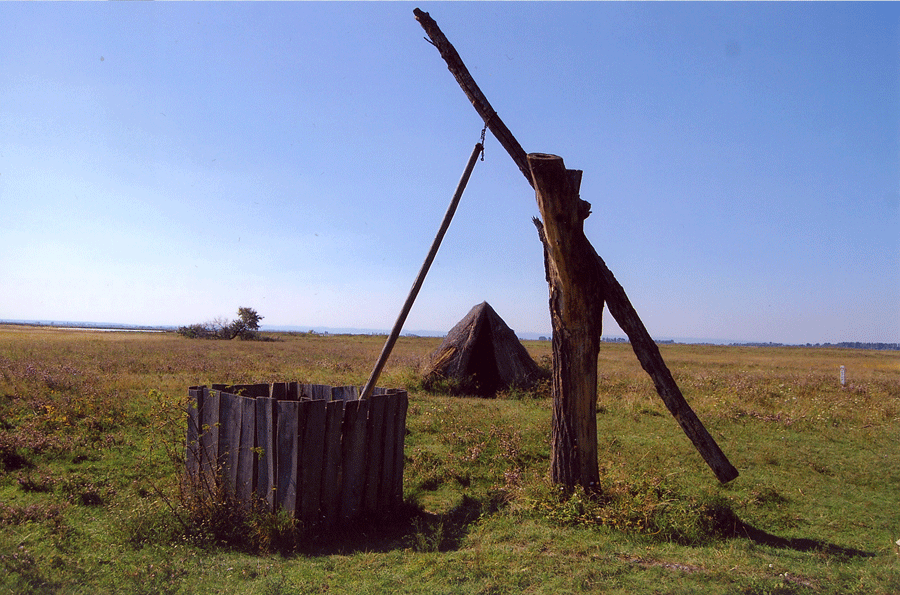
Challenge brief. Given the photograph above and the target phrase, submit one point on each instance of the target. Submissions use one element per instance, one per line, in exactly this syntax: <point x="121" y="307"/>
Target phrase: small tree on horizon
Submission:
<point x="247" y="324"/>
<point x="246" y="327"/>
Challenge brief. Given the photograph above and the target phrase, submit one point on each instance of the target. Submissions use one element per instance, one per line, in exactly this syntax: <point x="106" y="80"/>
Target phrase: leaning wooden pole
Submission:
<point x="470" y="88"/>
<point x="652" y="362"/>
<point x="420" y="278"/>
<point x="614" y="295"/>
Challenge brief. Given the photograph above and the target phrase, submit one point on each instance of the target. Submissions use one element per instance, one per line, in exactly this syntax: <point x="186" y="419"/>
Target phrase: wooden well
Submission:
<point x="316" y="451"/>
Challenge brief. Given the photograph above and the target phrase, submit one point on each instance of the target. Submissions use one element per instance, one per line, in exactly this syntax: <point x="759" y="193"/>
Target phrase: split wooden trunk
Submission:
<point x="316" y="451"/>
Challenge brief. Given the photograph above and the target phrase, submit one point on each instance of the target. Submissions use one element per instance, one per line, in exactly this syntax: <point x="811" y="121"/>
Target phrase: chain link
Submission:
<point x="483" y="130"/>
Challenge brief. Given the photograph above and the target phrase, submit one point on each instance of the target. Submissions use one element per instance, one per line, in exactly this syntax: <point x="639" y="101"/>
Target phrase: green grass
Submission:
<point x="90" y="437"/>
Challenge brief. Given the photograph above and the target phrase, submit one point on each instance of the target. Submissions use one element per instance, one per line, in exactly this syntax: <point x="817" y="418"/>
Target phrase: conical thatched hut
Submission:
<point x="481" y="355"/>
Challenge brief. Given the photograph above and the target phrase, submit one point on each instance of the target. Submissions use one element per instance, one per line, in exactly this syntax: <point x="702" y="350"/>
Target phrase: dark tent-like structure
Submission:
<point x="481" y="355"/>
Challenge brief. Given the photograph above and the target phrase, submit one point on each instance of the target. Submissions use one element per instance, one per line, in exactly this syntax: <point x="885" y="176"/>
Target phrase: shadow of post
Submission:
<point x="800" y="544"/>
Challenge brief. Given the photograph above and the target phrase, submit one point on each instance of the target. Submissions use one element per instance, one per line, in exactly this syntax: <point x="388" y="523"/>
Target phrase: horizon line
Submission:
<point x="527" y="336"/>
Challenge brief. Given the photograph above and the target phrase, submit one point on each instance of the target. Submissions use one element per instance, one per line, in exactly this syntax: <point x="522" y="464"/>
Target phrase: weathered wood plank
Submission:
<point x="345" y="393"/>
<point x="229" y="438"/>
<point x="399" y="446"/>
<point x="313" y="456"/>
<point x="313" y="392"/>
<point x="374" y="452"/>
<point x="266" y="428"/>
<point x="250" y="390"/>
<point x="192" y="452"/>
<point x="209" y="439"/>
<point x="301" y="429"/>
<point x="279" y="391"/>
<point x="246" y="476"/>
<point x="288" y="456"/>
<point x="331" y="467"/>
<point x="321" y="392"/>
<point x="389" y="444"/>
<point x="354" y="458"/>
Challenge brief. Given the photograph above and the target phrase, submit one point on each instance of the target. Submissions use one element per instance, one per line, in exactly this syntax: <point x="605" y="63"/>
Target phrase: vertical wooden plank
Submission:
<point x="288" y="456"/>
<point x="192" y="453"/>
<point x="354" y="458"/>
<point x="279" y="391"/>
<point x="399" y="446"/>
<point x="266" y="430"/>
<point x="229" y="439"/>
<point x="331" y="466"/>
<point x="250" y="390"/>
<point x="246" y="479"/>
<point x="374" y="452"/>
<point x="301" y="429"/>
<point x="209" y="439"/>
<point x="345" y="393"/>
<point x="294" y="393"/>
<point x="313" y="456"/>
<point x="321" y="391"/>
<point x="389" y="442"/>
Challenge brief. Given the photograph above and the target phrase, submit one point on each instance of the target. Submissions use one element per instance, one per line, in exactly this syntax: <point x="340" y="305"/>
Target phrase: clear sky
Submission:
<point x="166" y="163"/>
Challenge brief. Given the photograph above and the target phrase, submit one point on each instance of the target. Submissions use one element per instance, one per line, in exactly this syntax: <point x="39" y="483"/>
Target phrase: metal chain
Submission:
<point x="483" y="130"/>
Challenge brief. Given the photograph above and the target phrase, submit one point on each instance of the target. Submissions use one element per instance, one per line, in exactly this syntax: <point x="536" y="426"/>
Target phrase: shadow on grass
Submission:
<point x="800" y="544"/>
<point x="408" y="527"/>
<point x="716" y="519"/>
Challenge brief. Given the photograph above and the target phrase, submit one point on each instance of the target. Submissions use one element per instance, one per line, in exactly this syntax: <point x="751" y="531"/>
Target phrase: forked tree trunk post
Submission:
<point x="576" y="311"/>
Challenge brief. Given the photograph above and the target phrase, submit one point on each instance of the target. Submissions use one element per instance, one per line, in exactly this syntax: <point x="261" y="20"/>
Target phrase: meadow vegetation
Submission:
<point x="92" y="440"/>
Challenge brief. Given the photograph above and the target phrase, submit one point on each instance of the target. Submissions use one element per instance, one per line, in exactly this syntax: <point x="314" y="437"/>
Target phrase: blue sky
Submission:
<point x="166" y="163"/>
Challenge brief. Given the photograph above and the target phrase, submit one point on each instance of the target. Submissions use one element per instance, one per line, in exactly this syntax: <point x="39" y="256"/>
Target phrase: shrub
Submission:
<point x="244" y="327"/>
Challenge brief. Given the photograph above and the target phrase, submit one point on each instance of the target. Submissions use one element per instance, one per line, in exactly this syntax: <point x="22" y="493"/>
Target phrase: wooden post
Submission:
<point x="576" y="311"/>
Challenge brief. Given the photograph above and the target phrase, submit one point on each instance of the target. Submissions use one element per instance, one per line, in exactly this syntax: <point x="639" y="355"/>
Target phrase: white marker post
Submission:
<point x="843" y="377"/>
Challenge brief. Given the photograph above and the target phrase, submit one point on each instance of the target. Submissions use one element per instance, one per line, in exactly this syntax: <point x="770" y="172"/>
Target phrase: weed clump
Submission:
<point x="643" y="507"/>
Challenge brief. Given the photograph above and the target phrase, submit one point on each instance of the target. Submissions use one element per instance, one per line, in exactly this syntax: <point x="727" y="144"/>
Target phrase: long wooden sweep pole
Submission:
<point x="417" y="285"/>
<point x="614" y="295"/>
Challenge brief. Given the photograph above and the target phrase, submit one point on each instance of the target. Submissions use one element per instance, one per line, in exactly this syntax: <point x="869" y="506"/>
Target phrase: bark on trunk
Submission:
<point x="576" y="311"/>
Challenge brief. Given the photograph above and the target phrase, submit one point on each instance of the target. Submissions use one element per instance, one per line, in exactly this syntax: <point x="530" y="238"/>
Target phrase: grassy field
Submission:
<point x="91" y="432"/>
